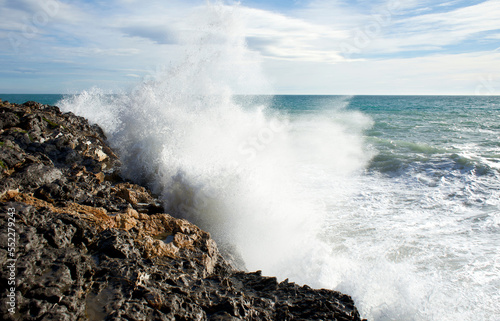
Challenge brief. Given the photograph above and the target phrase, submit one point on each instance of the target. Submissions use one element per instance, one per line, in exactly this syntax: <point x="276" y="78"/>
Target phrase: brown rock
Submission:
<point x="132" y="193"/>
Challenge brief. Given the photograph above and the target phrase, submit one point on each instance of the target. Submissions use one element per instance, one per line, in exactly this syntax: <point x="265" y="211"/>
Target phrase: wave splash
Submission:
<point x="237" y="169"/>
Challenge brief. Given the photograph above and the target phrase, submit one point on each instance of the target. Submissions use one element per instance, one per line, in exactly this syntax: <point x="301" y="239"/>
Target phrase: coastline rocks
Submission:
<point x="91" y="246"/>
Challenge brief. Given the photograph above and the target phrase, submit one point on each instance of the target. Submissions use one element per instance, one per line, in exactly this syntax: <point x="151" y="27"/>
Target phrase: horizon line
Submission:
<point x="288" y="94"/>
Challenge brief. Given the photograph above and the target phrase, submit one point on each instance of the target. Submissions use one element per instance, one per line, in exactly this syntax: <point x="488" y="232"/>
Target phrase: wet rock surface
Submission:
<point x="91" y="246"/>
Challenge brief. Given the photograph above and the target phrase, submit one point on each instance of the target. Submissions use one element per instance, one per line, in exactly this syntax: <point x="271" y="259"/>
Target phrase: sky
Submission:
<point x="299" y="47"/>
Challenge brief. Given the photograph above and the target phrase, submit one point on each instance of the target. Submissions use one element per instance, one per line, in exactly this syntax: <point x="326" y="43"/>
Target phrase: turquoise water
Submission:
<point x="425" y="210"/>
<point x="394" y="200"/>
<point x="435" y="132"/>
<point x="49" y="99"/>
<point x="427" y="206"/>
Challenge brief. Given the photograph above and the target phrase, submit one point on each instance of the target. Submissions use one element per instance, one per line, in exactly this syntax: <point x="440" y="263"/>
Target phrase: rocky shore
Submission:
<point x="78" y="242"/>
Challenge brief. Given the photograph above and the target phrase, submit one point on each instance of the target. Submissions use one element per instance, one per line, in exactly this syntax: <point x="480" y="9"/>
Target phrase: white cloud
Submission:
<point x="435" y="74"/>
<point x="281" y="37"/>
<point x="302" y="48"/>
<point x="437" y="30"/>
<point x="395" y="26"/>
<point x="457" y="24"/>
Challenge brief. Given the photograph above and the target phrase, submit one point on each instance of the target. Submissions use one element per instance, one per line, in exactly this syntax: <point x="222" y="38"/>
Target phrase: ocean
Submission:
<point x="394" y="200"/>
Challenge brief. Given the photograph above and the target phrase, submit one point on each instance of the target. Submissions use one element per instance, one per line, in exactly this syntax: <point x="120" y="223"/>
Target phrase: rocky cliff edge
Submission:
<point x="84" y="244"/>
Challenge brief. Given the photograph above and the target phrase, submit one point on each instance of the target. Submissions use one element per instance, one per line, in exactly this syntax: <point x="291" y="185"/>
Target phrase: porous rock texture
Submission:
<point x="91" y="246"/>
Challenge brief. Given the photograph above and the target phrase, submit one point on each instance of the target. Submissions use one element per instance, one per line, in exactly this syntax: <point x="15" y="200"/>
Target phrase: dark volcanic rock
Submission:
<point x="90" y="246"/>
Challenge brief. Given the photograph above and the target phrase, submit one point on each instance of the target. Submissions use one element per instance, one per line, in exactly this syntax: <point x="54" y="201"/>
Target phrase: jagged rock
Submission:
<point x="91" y="246"/>
<point x="8" y="119"/>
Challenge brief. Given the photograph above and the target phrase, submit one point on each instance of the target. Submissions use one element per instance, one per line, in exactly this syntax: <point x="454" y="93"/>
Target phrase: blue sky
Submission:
<point x="299" y="47"/>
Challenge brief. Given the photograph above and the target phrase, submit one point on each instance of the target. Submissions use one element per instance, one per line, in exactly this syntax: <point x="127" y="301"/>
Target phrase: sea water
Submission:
<point x="394" y="200"/>
<point x="415" y="235"/>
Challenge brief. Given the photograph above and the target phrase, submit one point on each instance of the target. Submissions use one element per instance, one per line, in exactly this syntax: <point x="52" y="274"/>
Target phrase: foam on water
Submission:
<point x="287" y="191"/>
<point x="424" y="254"/>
